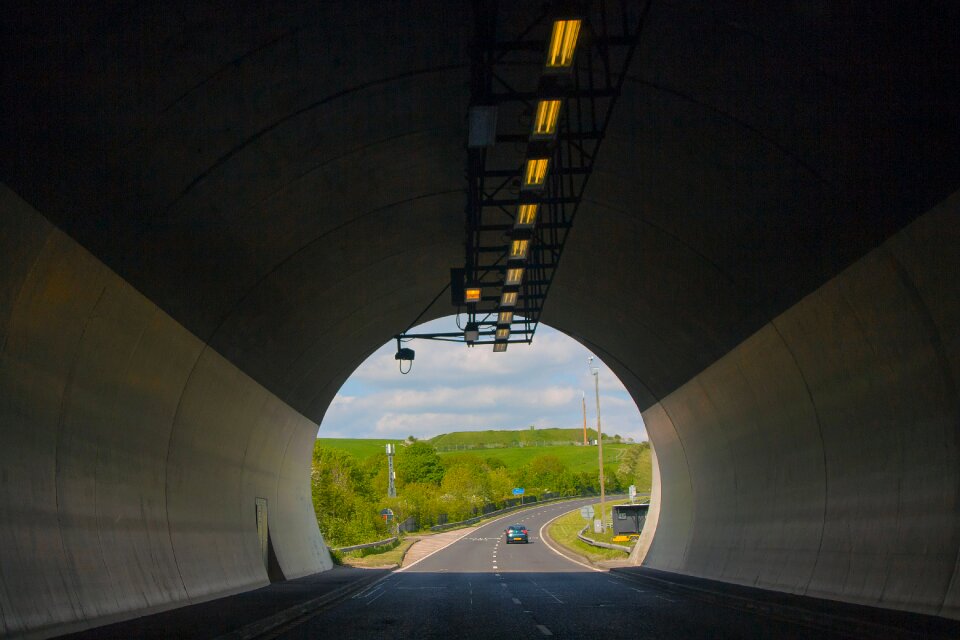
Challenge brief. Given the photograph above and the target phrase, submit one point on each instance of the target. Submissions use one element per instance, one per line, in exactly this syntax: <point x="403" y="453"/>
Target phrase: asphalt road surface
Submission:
<point x="480" y="587"/>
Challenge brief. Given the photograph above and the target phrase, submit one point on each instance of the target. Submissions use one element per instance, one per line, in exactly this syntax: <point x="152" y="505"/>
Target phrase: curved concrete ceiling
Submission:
<point x="756" y="257"/>
<point x="288" y="182"/>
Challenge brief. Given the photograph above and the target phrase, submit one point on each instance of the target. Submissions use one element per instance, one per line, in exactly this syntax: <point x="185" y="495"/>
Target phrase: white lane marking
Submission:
<point x="667" y="599"/>
<point x="503" y="584"/>
<point x="498" y="575"/>
<point x="552" y="595"/>
<point x="550" y="546"/>
<point x="515" y="601"/>
<point x="416" y="562"/>
<point x="371" y="600"/>
<point x="544" y="630"/>
<point x="638" y="590"/>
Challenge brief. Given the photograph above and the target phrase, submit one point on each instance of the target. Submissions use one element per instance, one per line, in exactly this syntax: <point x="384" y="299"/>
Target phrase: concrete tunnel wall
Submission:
<point x="131" y="453"/>
<point x="820" y="456"/>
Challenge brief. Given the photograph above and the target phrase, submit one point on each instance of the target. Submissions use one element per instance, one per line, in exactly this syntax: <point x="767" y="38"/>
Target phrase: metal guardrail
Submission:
<point x="605" y="545"/>
<point x="476" y="519"/>
<point x="368" y="545"/>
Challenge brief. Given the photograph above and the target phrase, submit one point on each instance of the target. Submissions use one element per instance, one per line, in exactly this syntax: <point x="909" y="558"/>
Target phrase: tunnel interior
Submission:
<point x="212" y="215"/>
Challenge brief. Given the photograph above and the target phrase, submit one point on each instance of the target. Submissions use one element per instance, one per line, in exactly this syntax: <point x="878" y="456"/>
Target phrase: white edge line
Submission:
<point x="550" y="546"/>
<point x="416" y="562"/>
<point x="472" y="529"/>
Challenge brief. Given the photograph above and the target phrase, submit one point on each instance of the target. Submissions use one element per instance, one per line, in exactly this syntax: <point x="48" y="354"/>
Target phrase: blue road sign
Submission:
<point x="518" y="491"/>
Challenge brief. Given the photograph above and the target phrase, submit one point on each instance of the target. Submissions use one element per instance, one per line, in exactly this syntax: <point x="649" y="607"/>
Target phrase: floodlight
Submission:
<point x="514" y="276"/>
<point x="505" y="317"/>
<point x="518" y="249"/>
<point x="527" y="214"/>
<point x="471" y="295"/>
<point x="499" y="347"/>
<point x="503" y="333"/>
<point x="508" y="299"/>
<point x="545" y="121"/>
<point x="535" y="173"/>
<point x="563" y="41"/>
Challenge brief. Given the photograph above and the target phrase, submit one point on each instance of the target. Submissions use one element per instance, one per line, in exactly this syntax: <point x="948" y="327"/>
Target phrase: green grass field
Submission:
<point x="358" y="447"/>
<point x="577" y="458"/>
<point x="510" y="438"/>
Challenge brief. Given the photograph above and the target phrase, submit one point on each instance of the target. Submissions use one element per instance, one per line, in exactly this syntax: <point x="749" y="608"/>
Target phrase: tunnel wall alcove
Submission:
<point x="821" y="456"/>
<point x="131" y="453"/>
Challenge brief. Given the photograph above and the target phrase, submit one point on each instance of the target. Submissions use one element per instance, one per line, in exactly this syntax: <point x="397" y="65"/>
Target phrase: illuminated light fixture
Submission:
<point x="518" y="249"/>
<point x="499" y="347"/>
<point x="514" y="275"/>
<point x="545" y="122"/>
<point x="508" y="299"/>
<point x="535" y="173"/>
<point x="527" y="214"/>
<point x="505" y="317"/>
<point x="503" y="333"/>
<point x="563" y="41"/>
<point x="471" y="295"/>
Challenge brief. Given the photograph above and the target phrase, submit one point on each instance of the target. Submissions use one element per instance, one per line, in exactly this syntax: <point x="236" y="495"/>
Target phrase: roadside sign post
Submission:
<point x="518" y="491"/>
<point x="633" y="494"/>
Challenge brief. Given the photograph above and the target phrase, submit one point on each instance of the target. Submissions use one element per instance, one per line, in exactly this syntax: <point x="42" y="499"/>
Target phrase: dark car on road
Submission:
<point x="516" y="533"/>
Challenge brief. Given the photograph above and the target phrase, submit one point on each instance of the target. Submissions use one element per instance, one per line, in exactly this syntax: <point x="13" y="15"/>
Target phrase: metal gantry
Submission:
<point x="543" y="89"/>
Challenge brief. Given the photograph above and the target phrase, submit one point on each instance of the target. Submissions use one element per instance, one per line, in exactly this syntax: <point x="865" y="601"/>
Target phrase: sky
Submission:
<point x="455" y="388"/>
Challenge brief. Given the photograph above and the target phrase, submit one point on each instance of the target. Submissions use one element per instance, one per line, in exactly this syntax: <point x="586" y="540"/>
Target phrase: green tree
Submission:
<point x="419" y="462"/>
<point x="343" y="498"/>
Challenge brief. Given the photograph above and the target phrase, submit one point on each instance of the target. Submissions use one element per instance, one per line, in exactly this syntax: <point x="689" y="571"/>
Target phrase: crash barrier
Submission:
<point x="597" y="543"/>
<point x="368" y="545"/>
<point x="476" y="519"/>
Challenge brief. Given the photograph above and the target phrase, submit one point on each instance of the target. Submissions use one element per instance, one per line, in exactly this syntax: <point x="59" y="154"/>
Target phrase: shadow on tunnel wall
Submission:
<point x="820" y="456"/>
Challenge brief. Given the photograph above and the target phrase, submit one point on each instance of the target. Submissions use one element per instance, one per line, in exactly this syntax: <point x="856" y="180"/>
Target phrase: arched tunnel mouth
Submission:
<point x="535" y="406"/>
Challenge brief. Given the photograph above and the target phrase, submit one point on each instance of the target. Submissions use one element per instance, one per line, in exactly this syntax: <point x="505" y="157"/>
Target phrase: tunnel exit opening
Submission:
<point x="475" y="433"/>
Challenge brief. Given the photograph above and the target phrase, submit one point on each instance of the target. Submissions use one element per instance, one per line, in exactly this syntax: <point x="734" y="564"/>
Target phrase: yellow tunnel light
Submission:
<point x="535" y="174"/>
<point x="563" y="41"/>
<point x="518" y="249"/>
<point x="514" y="275"/>
<point x="499" y="347"/>
<point x="509" y="299"/>
<point x="471" y="294"/>
<point x="545" y="123"/>
<point x="503" y="333"/>
<point x="527" y="214"/>
<point x="505" y="317"/>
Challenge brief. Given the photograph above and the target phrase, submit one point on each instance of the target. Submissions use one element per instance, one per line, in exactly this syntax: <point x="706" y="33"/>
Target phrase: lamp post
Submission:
<point x="596" y="385"/>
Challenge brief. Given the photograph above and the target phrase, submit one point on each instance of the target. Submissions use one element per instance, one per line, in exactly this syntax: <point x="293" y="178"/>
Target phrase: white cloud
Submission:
<point x="454" y="388"/>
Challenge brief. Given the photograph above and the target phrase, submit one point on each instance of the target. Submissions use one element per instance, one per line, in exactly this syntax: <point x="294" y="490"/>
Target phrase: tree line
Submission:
<point x="349" y="493"/>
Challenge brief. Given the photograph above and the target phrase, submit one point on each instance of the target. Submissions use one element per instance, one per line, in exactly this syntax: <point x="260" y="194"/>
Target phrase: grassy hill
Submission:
<point x="506" y="438"/>
<point x="576" y="457"/>
<point x="360" y="448"/>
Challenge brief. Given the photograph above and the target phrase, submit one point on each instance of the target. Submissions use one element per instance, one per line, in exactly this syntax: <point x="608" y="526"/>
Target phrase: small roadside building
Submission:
<point x="629" y="518"/>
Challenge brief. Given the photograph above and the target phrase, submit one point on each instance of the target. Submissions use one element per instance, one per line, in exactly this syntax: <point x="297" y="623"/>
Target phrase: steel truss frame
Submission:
<point x="508" y="73"/>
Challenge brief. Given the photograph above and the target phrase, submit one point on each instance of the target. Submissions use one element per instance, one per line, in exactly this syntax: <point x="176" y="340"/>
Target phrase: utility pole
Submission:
<point x="596" y="385"/>
<point x="391" y="487"/>
<point x="583" y="399"/>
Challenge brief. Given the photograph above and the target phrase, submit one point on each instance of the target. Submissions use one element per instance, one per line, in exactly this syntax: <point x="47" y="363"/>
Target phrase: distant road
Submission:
<point x="479" y="587"/>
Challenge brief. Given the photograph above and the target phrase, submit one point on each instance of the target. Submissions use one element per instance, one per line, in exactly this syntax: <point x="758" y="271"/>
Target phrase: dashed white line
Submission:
<point x="516" y="601"/>
<point x="544" y="630"/>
